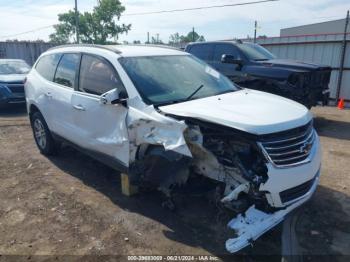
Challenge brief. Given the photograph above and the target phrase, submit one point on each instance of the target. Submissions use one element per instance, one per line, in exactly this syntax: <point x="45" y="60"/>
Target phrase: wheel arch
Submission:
<point x="32" y="110"/>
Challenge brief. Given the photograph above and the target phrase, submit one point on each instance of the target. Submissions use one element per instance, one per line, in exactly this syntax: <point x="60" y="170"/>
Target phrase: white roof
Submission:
<point x="145" y="50"/>
<point x="122" y="50"/>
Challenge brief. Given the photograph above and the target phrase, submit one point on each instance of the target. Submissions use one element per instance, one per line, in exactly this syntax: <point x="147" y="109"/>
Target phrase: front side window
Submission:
<point x="225" y="49"/>
<point x="97" y="76"/>
<point x="170" y="79"/>
<point x="66" y="70"/>
<point x="47" y="65"/>
<point x="255" y="52"/>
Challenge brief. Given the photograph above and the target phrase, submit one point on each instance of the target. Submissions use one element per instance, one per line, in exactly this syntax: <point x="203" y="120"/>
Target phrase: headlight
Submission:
<point x="295" y="79"/>
<point x="3" y="90"/>
<point x="299" y="79"/>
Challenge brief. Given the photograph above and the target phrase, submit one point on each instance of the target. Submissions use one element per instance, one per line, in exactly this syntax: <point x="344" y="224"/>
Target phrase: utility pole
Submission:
<point x="147" y="37"/>
<point x="342" y="59"/>
<point x="157" y="38"/>
<point x="76" y="21"/>
<point x="255" y="28"/>
<point x="193" y="35"/>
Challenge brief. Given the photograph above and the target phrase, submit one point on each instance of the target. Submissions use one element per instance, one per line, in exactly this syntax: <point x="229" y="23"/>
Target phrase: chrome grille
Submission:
<point x="289" y="148"/>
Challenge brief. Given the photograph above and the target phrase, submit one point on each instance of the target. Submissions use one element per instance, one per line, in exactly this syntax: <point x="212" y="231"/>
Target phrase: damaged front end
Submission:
<point x="306" y="87"/>
<point x="227" y="157"/>
<point x="167" y="150"/>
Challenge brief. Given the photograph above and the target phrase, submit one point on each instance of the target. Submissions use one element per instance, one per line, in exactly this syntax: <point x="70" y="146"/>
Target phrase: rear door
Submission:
<point x="64" y="82"/>
<point x="202" y="51"/>
<point x="100" y="128"/>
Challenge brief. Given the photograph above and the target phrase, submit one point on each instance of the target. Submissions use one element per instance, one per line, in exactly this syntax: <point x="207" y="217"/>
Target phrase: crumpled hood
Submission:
<point x="247" y="110"/>
<point x="12" y="78"/>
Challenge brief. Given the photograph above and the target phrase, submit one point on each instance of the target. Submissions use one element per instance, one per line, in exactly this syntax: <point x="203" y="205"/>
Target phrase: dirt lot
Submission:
<point x="72" y="205"/>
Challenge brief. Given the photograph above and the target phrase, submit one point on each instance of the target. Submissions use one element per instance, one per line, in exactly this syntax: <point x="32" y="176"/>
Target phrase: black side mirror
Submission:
<point x="230" y="59"/>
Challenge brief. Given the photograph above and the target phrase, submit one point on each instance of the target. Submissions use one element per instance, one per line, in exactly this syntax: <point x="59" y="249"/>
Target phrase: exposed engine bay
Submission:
<point x="232" y="162"/>
<point x="169" y="151"/>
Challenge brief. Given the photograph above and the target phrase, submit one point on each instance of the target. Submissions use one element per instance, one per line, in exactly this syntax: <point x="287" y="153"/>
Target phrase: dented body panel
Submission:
<point x="147" y="126"/>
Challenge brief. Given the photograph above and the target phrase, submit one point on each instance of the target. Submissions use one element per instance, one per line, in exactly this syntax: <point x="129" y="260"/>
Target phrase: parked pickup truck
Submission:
<point x="252" y="66"/>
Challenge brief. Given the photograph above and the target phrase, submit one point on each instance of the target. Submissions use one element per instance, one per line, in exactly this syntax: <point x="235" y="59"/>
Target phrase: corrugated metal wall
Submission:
<point x="28" y="51"/>
<point x="321" y="49"/>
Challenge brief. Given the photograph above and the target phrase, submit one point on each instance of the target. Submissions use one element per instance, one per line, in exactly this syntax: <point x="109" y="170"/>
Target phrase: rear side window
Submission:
<point x="97" y="76"/>
<point x="225" y="49"/>
<point x="66" y="70"/>
<point x="203" y="52"/>
<point x="46" y="66"/>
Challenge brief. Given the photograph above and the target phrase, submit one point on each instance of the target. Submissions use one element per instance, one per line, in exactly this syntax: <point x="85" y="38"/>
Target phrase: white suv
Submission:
<point x="160" y="115"/>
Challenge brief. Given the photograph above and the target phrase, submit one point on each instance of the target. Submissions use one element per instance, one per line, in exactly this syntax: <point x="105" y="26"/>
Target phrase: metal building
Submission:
<point x="329" y="27"/>
<point x="28" y="51"/>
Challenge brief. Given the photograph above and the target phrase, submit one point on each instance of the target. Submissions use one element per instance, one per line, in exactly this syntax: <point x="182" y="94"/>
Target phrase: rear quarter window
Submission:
<point x="203" y="52"/>
<point x="46" y="66"/>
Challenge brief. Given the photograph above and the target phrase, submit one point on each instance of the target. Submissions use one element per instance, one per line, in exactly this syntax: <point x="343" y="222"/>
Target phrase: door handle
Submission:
<point x="79" y="107"/>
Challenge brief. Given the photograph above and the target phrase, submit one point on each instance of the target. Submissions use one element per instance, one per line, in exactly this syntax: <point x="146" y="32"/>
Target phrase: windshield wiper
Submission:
<point x="195" y="92"/>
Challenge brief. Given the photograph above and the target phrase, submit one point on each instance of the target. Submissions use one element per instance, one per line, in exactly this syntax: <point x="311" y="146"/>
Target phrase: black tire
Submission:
<point x="42" y="135"/>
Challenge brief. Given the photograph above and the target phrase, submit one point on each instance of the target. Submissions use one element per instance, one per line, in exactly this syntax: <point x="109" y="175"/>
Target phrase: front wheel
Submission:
<point x="42" y="135"/>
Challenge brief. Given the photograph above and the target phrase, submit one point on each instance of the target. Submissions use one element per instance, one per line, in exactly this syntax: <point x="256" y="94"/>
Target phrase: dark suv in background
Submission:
<point x="252" y="66"/>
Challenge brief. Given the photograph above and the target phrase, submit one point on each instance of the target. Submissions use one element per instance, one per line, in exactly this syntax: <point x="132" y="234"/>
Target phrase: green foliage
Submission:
<point x="96" y="27"/>
<point x="190" y="37"/>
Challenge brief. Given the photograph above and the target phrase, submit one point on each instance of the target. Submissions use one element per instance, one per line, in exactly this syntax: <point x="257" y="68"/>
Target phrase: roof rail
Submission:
<point x="155" y="45"/>
<point x="106" y="47"/>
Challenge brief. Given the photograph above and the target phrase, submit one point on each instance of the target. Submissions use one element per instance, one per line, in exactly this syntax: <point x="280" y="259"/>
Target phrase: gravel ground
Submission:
<point x="72" y="205"/>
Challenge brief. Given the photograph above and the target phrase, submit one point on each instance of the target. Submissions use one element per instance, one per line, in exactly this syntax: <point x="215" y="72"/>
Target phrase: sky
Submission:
<point x="18" y="16"/>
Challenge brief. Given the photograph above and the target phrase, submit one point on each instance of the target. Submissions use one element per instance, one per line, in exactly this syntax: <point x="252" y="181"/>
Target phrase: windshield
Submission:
<point x="256" y="52"/>
<point x="9" y="67"/>
<point x="171" y="79"/>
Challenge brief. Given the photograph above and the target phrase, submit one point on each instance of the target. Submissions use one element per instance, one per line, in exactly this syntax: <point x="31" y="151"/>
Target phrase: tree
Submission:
<point x="194" y="37"/>
<point x="96" y="27"/>
<point x="156" y="40"/>
<point x="190" y="37"/>
<point x="175" y="38"/>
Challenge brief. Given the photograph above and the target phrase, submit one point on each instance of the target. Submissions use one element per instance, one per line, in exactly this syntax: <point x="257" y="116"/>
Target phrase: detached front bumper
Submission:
<point x="255" y="223"/>
<point x="287" y="189"/>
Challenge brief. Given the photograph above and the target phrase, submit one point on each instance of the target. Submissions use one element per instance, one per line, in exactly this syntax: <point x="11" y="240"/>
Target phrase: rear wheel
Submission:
<point x="42" y="135"/>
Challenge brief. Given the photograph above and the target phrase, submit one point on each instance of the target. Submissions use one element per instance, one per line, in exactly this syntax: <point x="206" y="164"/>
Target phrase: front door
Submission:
<point x="101" y="129"/>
